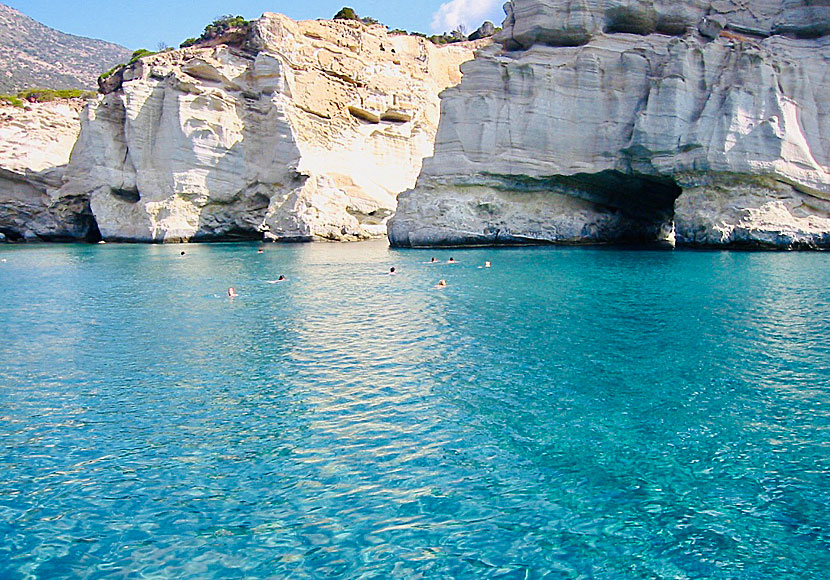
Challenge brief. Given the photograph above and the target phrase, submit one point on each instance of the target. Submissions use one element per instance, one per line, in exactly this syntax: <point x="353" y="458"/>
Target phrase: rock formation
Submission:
<point x="303" y="130"/>
<point x="697" y="122"/>
<point x="35" y="143"/>
<point x="486" y="30"/>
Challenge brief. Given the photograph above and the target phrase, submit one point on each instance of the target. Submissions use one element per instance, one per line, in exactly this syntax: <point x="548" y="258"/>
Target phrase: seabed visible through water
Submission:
<point x="590" y="413"/>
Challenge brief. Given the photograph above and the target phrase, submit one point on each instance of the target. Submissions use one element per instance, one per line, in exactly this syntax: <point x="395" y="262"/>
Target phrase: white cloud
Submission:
<point x="470" y="13"/>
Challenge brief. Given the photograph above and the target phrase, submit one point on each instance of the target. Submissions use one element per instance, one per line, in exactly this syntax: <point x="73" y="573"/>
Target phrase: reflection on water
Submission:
<point x="567" y="413"/>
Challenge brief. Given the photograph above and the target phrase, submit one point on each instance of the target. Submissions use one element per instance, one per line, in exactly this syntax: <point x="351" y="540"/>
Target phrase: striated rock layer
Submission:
<point x="300" y="131"/>
<point x="35" y="144"/>
<point x="700" y="123"/>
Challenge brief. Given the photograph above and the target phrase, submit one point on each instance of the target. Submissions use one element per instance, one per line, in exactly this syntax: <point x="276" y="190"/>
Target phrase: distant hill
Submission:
<point x="34" y="56"/>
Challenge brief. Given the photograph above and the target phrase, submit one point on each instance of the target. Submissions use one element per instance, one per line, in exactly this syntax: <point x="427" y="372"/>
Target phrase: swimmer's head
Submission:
<point x="281" y="277"/>
<point x="182" y="253"/>
<point x="392" y="270"/>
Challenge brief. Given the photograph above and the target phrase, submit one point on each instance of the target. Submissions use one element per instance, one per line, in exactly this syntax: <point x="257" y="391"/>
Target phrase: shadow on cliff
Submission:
<point x="28" y="212"/>
<point x="645" y="200"/>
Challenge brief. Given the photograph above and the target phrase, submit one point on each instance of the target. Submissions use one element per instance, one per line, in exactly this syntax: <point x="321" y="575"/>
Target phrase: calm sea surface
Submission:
<point x="568" y="413"/>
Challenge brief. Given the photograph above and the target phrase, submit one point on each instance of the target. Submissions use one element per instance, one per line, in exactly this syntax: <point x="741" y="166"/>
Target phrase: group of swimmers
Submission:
<point x="441" y="283"/>
<point x="392" y="271"/>
<point x="452" y="261"/>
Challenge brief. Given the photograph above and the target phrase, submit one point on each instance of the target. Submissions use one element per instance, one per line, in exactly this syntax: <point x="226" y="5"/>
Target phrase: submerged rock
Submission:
<point x="302" y="130"/>
<point x="697" y="122"/>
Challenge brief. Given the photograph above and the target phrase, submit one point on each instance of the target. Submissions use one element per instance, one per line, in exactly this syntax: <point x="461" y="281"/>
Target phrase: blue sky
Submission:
<point x="146" y="23"/>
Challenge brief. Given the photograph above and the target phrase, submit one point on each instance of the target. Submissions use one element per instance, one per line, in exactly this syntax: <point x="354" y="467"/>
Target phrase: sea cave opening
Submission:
<point x="642" y="205"/>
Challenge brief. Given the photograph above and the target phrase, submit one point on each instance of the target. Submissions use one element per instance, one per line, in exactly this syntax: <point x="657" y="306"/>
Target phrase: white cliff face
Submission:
<point x="648" y="121"/>
<point x="35" y="144"/>
<point x="307" y="131"/>
<point x="39" y="136"/>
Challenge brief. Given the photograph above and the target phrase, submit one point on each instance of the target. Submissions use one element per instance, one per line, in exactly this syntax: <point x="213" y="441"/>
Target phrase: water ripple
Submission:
<point x="567" y="413"/>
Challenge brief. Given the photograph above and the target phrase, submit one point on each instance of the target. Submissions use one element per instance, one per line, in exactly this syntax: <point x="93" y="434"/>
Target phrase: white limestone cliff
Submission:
<point x="35" y="143"/>
<point x="698" y="122"/>
<point x="305" y="130"/>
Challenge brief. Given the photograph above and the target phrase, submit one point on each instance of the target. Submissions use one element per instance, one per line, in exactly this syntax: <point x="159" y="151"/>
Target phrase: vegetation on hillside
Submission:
<point x="230" y="23"/>
<point x="218" y="27"/>
<point x="29" y="51"/>
<point x="140" y="53"/>
<point x="460" y="34"/>
<point x="347" y="13"/>
<point x="110" y="72"/>
<point x="457" y="35"/>
<point x="44" y="96"/>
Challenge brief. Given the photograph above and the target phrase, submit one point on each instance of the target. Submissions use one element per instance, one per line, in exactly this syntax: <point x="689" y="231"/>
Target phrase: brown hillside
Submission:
<point x="33" y="55"/>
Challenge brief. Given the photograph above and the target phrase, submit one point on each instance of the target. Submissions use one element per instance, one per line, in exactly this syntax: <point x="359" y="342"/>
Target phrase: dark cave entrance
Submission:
<point x="643" y="204"/>
<point x="11" y="235"/>
<point x="93" y="233"/>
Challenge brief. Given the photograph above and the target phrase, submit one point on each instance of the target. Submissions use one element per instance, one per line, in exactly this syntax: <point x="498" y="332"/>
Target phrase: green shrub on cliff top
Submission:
<point x="346" y="13"/>
<point x="44" y="96"/>
<point x="11" y="100"/>
<point x="216" y="28"/>
<point x="47" y="95"/>
<point x="141" y="52"/>
<point x="111" y="72"/>
<point x="222" y="25"/>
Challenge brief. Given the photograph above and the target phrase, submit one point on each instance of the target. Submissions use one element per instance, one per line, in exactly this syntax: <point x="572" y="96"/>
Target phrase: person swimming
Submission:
<point x="451" y="260"/>
<point x="433" y="260"/>
<point x="259" y="251"/>
<point x="281" y="278"/>
<point x="392" y="271"/>
<point x="232" y="293"/>
<point x="441" y="284"/>
<point x="182" y="254"/>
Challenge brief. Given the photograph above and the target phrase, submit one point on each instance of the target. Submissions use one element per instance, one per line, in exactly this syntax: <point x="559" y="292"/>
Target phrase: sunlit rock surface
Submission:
<point x="306" y="130"/>
<point x="697" y="122"/>
<point x="35" y="143"/>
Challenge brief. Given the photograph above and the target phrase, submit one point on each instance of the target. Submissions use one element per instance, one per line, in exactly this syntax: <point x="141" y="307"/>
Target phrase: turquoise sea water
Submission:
<point x="585" y="413"/>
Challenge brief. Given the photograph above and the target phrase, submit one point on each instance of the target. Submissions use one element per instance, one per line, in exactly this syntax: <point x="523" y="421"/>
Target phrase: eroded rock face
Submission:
<point x="307" y="130"/>
<point x="694" y="122"/>
<point x="576" y="22"/>
<point x="35" y="143"/>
